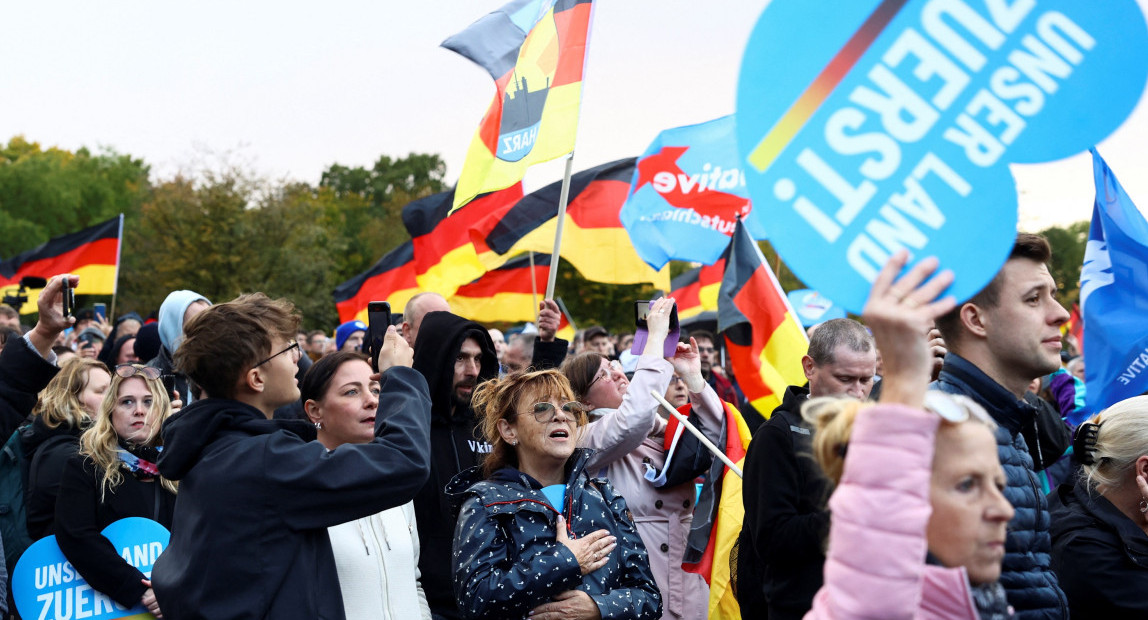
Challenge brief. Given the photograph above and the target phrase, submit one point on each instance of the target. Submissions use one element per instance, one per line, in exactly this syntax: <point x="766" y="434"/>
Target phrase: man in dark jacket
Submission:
<point x="249" y="536"/>
<point x="999" y="341"/>
<point x="782" y="542"/>
<point x="454" y="355"/>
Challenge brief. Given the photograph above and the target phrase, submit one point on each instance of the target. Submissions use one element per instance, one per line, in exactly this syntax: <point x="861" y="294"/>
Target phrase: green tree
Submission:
<point x="48" y="193"/>
<point x="1068" y="245"/>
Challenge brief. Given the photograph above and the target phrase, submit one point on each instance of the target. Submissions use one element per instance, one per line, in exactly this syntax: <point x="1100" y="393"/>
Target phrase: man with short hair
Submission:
<point x="781" y="552"/>
<point x="417" y="308"/>
<point x="518" y="354"/>
<point x="708" y="353"/>
<point x="454" y="439"/>
<point x="256" y="496"/>
<point x="499" y="341"/>
<point x="9" y="317"/>
<point x="316" y="340"/>
<point x="999" y="341"/>
<point x="597" y="339"/>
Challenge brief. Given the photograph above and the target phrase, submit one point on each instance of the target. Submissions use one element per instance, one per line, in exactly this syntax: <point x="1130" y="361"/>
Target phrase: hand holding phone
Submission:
<point x="642" y="318"/>
<point x="378" y="320"/>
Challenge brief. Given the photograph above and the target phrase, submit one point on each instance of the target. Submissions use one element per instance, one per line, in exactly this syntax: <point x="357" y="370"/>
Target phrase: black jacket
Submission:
<point x="1025" y="573"/>
<point x="507" y="559"/>
<point x="782" y="544"/>
<point x="1100" y="555"/>
<point x="47" y="451"/>
<point x="81" y="515"/>
<point x="549" y="354"/>
<point x="256" y="496"/>
<point x="23" y="374"/>
<point x="455" y="446"/>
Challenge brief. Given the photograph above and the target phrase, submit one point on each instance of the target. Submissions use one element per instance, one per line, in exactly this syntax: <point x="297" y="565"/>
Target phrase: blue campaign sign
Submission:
<point x="813" y="307"/>
<point x="874" y="125"/>
<point x="46" y="586"/>
<point x="686" y="195"/>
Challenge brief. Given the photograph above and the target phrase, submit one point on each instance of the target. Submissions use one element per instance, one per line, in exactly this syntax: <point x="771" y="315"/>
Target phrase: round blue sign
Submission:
<point x="870" y="126"/>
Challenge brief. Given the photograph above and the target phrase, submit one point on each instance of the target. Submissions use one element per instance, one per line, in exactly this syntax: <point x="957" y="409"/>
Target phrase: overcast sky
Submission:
<point x="290" y="87"/>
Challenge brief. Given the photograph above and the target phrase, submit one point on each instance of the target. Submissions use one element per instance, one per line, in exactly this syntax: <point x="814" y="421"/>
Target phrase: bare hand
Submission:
<point x="938" y="349"/>
<point x="148" y="600"/>
<point x="899" y="313"/>
<point x="687" y="363"/>
<point x="103" y="325"/>
<point x="569" y="604"/>
<point x="395" y="351"/>
<point x="592" y="550"/>
<point x="52" y="320"/>
<point x="548" y="320"/>
<point x="176" y="403"/>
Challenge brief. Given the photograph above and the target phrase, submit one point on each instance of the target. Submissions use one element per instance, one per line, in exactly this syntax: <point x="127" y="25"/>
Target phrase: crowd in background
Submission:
<point x="938" y="462"/>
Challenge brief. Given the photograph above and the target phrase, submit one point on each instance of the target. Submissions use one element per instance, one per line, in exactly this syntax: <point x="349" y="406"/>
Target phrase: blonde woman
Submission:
<point x="113" y="477"/>
<point x="64" y="410"/>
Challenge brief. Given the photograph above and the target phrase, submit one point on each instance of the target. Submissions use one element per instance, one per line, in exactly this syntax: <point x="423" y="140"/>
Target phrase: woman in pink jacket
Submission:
<point x="919" y="517"/>
<point x="628" y="434"/>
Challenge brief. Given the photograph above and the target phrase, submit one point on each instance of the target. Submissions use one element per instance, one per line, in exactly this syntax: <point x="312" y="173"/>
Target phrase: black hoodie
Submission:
<point x="256" y="496"/>
<point x="455" y="446"/>
<point x="47" y="451"/>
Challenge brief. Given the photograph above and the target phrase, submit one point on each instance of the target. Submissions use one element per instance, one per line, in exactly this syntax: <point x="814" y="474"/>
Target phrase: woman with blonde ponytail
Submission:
<point x="113" y="477"/>
<point x="1100" y="521"/>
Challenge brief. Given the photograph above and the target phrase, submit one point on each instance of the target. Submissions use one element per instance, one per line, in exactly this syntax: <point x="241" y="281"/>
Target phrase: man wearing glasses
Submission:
<point x="249" y="536"/>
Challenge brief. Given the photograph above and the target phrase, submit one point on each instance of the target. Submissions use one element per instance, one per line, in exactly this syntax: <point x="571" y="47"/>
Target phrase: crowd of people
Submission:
<point x="938" y="462"/>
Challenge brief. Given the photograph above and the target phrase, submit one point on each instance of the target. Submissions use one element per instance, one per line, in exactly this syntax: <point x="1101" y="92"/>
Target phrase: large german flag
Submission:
<point x="764" y="337"/>
<point x="534" y="50"/>
<point x="593" y="240"/>
<point x="696" y="290"/>
<point x="505" y="294"/>
<point x="445" y="256"/>
<point x="92" y="253"/>
<point x="392" y="279"/>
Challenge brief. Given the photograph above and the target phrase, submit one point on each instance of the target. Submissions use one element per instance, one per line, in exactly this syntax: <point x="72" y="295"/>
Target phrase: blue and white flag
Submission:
<point x="1114" y="295"/>
<point x="687" y="195"/>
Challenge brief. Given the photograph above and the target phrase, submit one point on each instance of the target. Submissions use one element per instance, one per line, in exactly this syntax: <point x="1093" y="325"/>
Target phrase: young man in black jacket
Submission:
<point x="454" y="355"/>
<point x="782" y="542"/>
<point x="249" y="536"/>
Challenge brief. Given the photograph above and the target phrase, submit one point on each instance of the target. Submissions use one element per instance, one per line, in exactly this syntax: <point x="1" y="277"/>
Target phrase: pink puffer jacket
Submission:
<point x="875" y="567"/>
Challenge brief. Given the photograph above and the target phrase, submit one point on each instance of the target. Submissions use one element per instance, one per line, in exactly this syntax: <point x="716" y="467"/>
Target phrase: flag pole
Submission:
<point x="718" y="452"/>
<point x="116" y="281"/>
<point x="533" y="282"/>
<point x="552" y="276"/>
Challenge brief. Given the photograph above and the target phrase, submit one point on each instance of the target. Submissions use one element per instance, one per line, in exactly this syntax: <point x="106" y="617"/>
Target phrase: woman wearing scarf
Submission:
<point x="114" y="477"/>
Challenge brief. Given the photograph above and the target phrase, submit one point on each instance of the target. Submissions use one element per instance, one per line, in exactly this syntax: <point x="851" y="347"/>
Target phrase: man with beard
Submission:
<point x="709" y="355"/>
<point x="444" y="338"/>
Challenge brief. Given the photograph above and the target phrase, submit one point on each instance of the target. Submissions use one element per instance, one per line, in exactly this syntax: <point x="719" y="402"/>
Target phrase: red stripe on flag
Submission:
<point x="599" y="205"/>
<point x="99" y="252"/>
<point x="571" y="25"/>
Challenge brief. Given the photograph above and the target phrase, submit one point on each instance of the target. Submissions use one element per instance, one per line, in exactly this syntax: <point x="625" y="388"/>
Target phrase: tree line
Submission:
<point x="225" y="231"/>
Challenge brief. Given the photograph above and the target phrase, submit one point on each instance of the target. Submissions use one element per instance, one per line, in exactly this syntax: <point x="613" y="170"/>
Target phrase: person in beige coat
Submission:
<point x="627" y="434"/>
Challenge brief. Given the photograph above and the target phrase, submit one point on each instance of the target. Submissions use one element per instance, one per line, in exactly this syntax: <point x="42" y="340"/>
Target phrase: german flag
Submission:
<point x="505" y="294"/>
<point x="535" y="51"/>
<point x="445" y="256"/>
<point x="696" y="290"/>
<point x="764" y="337"/>
<point x="593" y="240"/>
<point x="92" y="253"/>
<point x="392" y="279"/>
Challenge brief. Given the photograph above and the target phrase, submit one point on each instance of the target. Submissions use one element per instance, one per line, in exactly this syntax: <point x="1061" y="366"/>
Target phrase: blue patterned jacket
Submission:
<point x="1029" y="582"/>
<point x="507" y="560"/>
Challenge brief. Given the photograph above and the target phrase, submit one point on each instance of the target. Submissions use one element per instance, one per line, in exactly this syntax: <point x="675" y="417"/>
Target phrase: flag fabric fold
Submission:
<point x="391" y="279"/>
<point x="505" y="294"/>
<point x="696" y="290"/>
<point x="535" y="51"/>
<point x="686" y="194"/>
<point x="445" y="252"/>
<point x="1114" y="295"/>
<point x="92" y="253"/>
<point x="764" y="338"/>
<point x="593" y="240"/>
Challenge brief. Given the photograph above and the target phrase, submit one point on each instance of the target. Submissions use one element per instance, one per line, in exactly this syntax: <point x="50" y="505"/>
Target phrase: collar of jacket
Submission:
<point x="1132" y="538"/>
<point x="507" y="496"/>
<point x="1001" y="404"/>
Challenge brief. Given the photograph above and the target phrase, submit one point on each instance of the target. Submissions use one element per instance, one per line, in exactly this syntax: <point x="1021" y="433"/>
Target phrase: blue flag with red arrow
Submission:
<point x="686" y="195"/>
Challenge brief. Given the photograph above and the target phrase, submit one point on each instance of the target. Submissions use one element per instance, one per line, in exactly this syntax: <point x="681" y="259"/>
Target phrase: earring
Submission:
<point x="1143" y="505"/>
<point x="514" y="442"/>
<point x="318" y="425"/>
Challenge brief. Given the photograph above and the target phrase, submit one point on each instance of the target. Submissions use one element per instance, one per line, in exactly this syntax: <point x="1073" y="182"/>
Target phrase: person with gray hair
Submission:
<point x="781" y="552"/>
<point x="1100" y="520"/>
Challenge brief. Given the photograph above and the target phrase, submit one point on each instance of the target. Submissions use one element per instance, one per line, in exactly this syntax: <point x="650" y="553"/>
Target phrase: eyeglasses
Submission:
<point x="291" y="347"/>
<point x="614" y="366"/>
<point x="676" y="379"/>
<point x="706" y="349"/>
<point x="545" y="413"/>
<point x="133" y="370"/>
